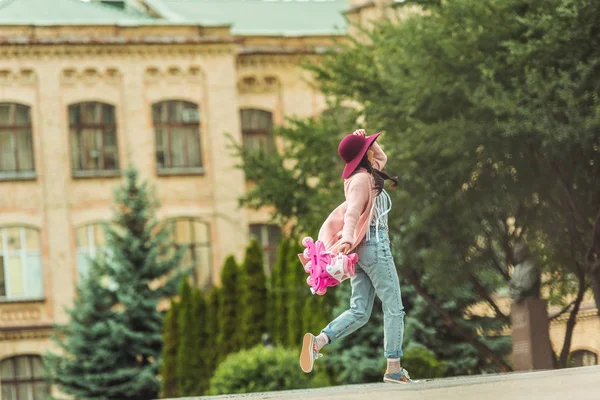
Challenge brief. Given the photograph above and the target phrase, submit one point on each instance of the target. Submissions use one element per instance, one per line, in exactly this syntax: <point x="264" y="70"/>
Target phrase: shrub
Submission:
<point x="260" y="369"/>
<point x="421" y="363"/>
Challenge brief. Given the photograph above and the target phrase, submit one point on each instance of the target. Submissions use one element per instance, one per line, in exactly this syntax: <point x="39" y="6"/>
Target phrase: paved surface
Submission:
<point x="566" y="384"/>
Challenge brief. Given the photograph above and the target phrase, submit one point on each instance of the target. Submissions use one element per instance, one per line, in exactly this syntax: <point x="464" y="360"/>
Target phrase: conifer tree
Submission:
<point x="212" y="331"/>
<point x="169" y="386"/>
<point x="139" y="255"/>
<point x="229" y="309"/>
<point x="185" y="372"/>
<point x="198" y="353"/>
<point x="253" y="294"/>
<point x="298" y="292"/>
<point x="85" y="341"/>
<point x="279" y="295"/>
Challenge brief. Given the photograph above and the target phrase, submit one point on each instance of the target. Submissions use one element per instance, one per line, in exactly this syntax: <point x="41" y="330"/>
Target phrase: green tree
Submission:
<point x="86" y="340"/>
<point x="278" y="295"/>
<point x="199" y="352"/>
<point x="169" y="383"/>
<point x="253" y="294"/>
<point x="230" y="309"/>
<point x="298" y="294"/>
<point x="186" y="370"/>
<point x="139" y="254"/>
<point x="212" y="331"/>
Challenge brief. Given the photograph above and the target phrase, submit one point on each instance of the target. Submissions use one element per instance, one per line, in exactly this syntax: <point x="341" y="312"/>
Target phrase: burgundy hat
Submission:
<point x="352" y="149"/>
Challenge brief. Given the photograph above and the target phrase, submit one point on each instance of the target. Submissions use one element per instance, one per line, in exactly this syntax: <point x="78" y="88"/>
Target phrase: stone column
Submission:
<point x="55" y="176"/>
<point x="231" y="223"/>
<point x="532" y="349"/>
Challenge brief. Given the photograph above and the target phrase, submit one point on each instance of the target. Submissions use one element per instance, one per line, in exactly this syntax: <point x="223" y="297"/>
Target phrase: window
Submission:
<point x="93" y="139"/>
<point x="20" y="264"/>
<point x="16" y="142"/>
<point x="177" y="135"/>
<point x="91" y="241"/>
<point x="257" y="128"/>
<point x="22" y="378"/>
<point x="583" y="358"/>
<point x="195" y="234"/>
<point x="268" y="236"/>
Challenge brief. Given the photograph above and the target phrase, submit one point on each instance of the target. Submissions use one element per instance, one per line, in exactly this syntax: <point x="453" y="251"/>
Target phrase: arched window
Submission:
<point x="91" y="240"/>
<point x="583" y="358"/>
<point x="94" y="149"/>
<point x="257" y="129"/>
<point x="268" y="236"/>
<point x="22" y="378"/>
<point x="20" y="263"/>
<point x="177" y="136"/>
<point x="16" y="143"/>
<point x="195" y="234"/>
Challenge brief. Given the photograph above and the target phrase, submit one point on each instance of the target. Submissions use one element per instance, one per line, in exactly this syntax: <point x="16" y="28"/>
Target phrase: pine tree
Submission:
<point x="298" y="292"/>
<point x="253" y="294"/>
<point x="212" y="331"/>
<point x="139" y="255"/>
<point x="230" y="309"/>
<point x="86" y="340"/>
<point x="279" y="295"/>
<point x="169" y="386"/>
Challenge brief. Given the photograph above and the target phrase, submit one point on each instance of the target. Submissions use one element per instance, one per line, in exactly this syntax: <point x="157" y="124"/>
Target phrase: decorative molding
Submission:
<point x="583" y="315"/>
<point x="21" y="77"/>
<point x="90" y="76"/>
<point x="274" y="60"/>
<point x="258" y="84"/>
<point x="26" y="333"/>
<point x="174" y="74"/>
<point x="79" y="51"/>
<point x="21" y="314"/>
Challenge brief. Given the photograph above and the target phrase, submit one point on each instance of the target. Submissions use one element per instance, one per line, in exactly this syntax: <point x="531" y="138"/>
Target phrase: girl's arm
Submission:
<point x="357" y="197"/>
<point x="379" y="157"/>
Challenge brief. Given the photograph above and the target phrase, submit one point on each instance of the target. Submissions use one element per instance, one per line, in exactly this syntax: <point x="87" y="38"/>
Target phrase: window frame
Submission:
<point x="171" y="223"/>
<point x="583" y="353"/>
<point x="270" y="146"/>
<point x="194" y="129"/>
<point x="32" y="379"/>
<point x="77" y="129"/>
<point x="89" y="249"/>
<point x="269" y="249"/>
<point x="22" y="252"/>
<point x="19" y="129"/>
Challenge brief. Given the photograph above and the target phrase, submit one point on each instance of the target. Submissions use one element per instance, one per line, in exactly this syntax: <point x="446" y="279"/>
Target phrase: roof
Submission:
<point x="246" y="17"/>
<point x="259" y="17"/>
<point x="67" y="12"/>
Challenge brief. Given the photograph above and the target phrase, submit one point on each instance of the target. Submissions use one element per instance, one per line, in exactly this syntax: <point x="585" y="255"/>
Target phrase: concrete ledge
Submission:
<point x="566" y="384"/>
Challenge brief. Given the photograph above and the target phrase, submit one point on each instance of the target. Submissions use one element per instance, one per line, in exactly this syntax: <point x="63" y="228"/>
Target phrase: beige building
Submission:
<point x="90" y="87"/>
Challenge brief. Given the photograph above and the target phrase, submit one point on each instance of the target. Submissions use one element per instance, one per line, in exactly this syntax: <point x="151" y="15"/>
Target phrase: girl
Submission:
<point x="360" y="224"/>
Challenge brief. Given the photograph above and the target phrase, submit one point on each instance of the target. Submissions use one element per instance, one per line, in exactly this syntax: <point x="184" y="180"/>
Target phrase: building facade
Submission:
<point x="88" y="89"/>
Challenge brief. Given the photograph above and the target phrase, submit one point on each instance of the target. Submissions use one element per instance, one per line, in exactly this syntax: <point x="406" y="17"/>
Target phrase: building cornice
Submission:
<point x="162" y="49"/>
<point x="26" y="332"/>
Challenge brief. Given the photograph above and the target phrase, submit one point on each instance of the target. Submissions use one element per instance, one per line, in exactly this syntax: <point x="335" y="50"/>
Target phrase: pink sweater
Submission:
<point x="349" y="222"/>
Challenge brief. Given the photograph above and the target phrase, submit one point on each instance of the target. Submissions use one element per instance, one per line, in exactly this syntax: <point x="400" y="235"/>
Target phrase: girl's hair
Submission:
<point x="380" y="177"/>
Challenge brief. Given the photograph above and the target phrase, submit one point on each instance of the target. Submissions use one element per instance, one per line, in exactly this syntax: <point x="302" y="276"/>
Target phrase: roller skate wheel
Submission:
<point x="309" y="280"/>
<point x="306" y="253"/>
<point x="306" y="241"/>
<point x="321" y="291"/>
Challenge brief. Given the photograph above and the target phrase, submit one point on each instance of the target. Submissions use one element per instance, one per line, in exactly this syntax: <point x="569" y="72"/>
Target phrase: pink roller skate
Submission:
<point x="324" y="269"/>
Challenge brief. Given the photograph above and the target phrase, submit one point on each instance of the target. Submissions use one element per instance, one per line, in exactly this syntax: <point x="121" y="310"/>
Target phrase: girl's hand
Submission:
<point x="345" y="248"/>
<point x="360" y="132"/>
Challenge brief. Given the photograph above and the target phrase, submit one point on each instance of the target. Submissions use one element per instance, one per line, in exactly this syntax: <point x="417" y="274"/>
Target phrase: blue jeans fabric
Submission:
<point x="375" y="275"/>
